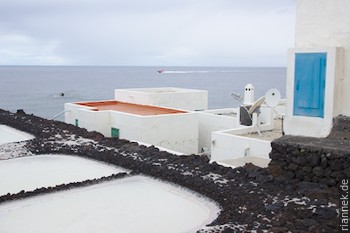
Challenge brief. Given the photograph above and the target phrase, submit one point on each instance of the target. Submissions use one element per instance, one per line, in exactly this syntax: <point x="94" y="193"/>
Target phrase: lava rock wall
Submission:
<point x="319" y="160"/>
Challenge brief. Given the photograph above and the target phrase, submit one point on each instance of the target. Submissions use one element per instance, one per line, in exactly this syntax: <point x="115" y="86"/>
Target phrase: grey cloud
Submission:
<point x="171" y="32"/>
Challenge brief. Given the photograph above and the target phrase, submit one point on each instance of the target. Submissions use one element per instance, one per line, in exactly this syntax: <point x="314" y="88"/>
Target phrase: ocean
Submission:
<point x="37" y="89"/>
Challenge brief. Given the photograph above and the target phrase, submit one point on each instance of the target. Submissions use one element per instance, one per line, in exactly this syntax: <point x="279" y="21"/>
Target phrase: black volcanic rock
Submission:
<point x="280" y="198"/>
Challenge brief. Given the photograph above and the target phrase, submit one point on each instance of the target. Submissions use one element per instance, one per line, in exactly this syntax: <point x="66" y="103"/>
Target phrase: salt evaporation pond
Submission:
<point x="8" y="134"/>
<point x="128" y="205"/>
<point x="29" y="173"/>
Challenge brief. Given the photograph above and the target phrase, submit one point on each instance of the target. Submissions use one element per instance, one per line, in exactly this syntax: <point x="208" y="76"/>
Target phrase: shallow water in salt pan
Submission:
<point x="133" y="204"/>
<point x="29" y="173"/>
<point x="8" y="134"/>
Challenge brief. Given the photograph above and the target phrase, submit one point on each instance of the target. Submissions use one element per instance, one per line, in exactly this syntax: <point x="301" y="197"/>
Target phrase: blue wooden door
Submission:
<point x="309" y="84"/>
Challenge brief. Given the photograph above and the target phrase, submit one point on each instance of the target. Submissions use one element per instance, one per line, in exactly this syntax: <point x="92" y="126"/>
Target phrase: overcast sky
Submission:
<point x="146" y="32"/>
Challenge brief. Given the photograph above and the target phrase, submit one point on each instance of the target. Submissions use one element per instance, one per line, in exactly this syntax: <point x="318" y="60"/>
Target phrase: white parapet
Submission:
<point x="232" y="144"/>
<point x="88" y="118"/>
<point x="177" y="132"/>
<point x="169" y="97"/>
<point x="227" y="145"/>
<point x="215" y="120"/>
<point x="246" y="143"/>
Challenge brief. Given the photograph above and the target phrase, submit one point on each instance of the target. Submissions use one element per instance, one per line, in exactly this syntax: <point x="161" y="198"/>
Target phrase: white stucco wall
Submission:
<point x="326" y="23"/>
<point x="169" y="97"/>
<point x="315" y="126"/>
<point x="227" y="145"/>
<point x="95" y="121"/>
<point x="91" y="120"/>
<point x="177" y="132"/>
<point x="209" y="122"/>
<point x="72" y="112"/>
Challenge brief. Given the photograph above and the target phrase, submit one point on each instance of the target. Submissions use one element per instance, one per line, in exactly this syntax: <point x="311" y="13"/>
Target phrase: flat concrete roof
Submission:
<point x="268" y="135"/>
<point x="238" y="162"/>
<point x="138" y="109"/>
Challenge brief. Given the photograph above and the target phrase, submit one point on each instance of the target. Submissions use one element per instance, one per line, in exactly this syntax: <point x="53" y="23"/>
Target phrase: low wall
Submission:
<point x="210" y="121"/>
<point x="230" y="146"/>
<point x="51" y="189"/>
<point x="177" y="132"/>
<point x="325" y="161"/>
<point x="169" y="97"/>
<point x="85" y="117"/>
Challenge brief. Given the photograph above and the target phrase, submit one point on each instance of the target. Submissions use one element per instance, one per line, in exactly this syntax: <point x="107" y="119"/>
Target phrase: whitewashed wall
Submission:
<point x="178" y="98"/>
<point x="91" y="120"/>
<point x="209" y="122"/>
<point x="226" y="145"/>
<point x="95" y="121"/>
<point x="71" y="112"/>
<point x="315" y="126"/>
<point x="177" y="132"/>
<point x="326" y="23"/>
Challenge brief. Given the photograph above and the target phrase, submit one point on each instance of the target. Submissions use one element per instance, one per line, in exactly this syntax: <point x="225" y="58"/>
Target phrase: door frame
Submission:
<point x="314" y="126"/>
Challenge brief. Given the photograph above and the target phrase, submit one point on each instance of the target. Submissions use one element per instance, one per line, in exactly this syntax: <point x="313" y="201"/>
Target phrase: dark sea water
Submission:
<point x="37" y="89"/>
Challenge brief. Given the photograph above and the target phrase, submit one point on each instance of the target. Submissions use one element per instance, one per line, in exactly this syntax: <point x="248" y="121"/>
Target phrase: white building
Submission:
<point x="177" y="120"/>
<point x="318" y="76"/>
<point x="164" y="127"/>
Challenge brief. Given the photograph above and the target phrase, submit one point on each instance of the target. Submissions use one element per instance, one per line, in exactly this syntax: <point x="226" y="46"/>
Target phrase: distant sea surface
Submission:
<point x="37" y="89"/>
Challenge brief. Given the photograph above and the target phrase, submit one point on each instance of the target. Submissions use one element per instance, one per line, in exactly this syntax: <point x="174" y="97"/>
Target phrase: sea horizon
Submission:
<point x="37" y="89"/>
